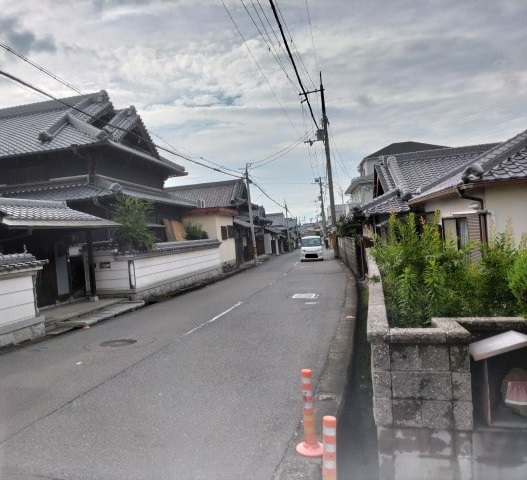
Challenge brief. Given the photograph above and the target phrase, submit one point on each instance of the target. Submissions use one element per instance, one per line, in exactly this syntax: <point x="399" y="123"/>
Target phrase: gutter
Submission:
<point x="463" y="194"/>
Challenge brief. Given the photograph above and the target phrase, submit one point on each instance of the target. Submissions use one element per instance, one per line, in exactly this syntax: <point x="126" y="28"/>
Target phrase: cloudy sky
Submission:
<point x="213" y="79"/>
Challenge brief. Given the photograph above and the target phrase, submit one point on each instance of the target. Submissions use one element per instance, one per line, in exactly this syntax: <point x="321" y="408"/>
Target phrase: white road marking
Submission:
<point x="305" y="295"/>
<point x="212" y="319"/>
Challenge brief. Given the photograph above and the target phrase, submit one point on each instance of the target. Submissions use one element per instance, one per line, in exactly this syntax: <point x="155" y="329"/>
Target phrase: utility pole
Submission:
<point x="328" y="164"/>
<point x="324" y="230"/>
<point x="250" y="208"/>
<point x="322" y="134"/>
<point x="287" y="226"/>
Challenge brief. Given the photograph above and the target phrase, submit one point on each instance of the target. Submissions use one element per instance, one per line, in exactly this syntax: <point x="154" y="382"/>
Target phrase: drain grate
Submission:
<point x="122" y="342"/>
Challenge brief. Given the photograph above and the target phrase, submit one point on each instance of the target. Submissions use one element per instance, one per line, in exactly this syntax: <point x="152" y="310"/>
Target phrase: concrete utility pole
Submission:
<point x="328" y="164"/>
<point x="322" y="134"/>
<point x="324" y="229"/>
<point x="250" y="208"/>
<point x="287" y="226"/>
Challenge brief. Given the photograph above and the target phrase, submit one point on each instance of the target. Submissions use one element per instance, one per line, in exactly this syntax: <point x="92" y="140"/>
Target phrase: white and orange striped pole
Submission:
<point x="329" y="457"/>
<point x="309" y="447"/>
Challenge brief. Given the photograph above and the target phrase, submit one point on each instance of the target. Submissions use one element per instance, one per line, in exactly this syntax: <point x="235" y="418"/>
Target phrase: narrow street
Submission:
<point x="205" y="385"/>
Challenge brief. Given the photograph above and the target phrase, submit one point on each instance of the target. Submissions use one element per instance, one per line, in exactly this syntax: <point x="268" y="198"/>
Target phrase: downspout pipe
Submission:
<point x="482" y="219"/>
<point x="463" y="194"/>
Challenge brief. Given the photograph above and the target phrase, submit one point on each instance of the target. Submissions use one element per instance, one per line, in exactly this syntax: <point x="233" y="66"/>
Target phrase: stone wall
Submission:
<point x="423" y="397"/>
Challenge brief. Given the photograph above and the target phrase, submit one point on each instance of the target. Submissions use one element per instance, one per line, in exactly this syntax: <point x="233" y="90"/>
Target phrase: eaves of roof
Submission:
<point x="35" y="214"/>
<point x="385" y="204"/>
<point x="81" y="188"/>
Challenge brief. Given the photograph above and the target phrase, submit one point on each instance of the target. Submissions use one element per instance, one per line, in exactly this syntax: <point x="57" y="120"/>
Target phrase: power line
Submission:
<point x="257" y="64"/>
<point x="39" y="67"/>
<point x="269" y="45"/>
<point x="293" y="62"/>
<point x="36" y="89"/>
<point x="294" y="45"/>
<point x="270" y="198"/>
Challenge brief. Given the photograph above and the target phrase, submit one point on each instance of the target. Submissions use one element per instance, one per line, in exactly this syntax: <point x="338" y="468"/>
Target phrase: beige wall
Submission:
<point x="212" y="225"/>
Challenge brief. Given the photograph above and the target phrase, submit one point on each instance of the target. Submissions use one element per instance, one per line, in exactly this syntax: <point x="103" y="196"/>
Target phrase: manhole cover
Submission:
<point x="122" y="342"/>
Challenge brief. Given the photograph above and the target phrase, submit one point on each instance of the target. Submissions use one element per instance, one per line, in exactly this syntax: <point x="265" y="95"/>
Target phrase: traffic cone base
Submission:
<point x="307" y="450"/>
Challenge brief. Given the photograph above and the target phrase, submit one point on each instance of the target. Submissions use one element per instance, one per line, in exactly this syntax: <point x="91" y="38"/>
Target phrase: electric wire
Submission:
<point x="39" y="67"/>
<point x="42" y="92"/>
<point x="257" y="64"/>
<point x="269" y="45"/>
<point x="295" y="47"/>
<point x="293" y="62"/>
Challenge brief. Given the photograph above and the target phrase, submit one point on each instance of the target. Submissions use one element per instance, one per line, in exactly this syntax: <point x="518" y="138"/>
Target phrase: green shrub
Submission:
<point x="195" y="232"/>
<point x="132" y="213"/>
<point x="425" y="276"/>
<point x="517" y="280"/>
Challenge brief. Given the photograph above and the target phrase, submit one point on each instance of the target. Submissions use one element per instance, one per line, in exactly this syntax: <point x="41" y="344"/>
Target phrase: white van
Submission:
<point x="311" y="248"/>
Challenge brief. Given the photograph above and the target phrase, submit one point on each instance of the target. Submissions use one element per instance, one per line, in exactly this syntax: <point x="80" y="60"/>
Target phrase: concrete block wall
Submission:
<point x="423" y="403"/>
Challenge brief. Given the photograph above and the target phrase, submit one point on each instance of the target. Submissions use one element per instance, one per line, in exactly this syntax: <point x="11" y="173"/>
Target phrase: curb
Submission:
<point x="330" y="390"/>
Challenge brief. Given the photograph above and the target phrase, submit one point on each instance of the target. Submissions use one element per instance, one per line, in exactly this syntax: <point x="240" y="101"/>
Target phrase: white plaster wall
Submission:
<point x="114" y="278"/>
<point x="451" y="206"/>
<point x="505" y="205"/>
<point x="150" y="270"/>
<point x="17" y="301"/>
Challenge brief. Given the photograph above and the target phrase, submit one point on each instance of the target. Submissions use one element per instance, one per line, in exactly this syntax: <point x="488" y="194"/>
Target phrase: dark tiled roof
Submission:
<point x="19" y="261"/>
<point x="78" y="189"/>
<point x="34" y="213"/>
<point x="216" y="194"/>
<point x="388" y="203"/>
<point x="504" y="161"/>
<point x="276" y="218"/>
<point x="58" y="124"/>
<point x="408" y="174"/>
<point x="404" y="147"/>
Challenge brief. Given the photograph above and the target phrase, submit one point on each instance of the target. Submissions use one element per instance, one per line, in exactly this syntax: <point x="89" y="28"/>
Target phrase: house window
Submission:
<point x="224" y="233"/>
<point x="456" y="229"/>
<point x="230" y="231"/>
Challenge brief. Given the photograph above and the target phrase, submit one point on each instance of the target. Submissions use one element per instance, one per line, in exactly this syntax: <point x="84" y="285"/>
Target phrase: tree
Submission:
<point x="132" y="213"/>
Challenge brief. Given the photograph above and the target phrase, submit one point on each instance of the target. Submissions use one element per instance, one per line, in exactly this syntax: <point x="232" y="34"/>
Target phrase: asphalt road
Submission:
<point x="209" y="390"/>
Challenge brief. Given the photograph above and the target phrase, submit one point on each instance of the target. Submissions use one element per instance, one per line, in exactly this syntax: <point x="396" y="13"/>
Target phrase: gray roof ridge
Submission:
<point x="380" y="199"/>
<point x="45" y="106"/>
<point x="450" y="151"/>
<point x="397" y="174"/>
<point x="76" y="117"/>
<point x="493" y="157"/>
<point x="115" y="127"/>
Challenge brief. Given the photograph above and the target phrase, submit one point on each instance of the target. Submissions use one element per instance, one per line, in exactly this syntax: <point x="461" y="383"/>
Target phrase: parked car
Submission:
<point x="311" y="248"/>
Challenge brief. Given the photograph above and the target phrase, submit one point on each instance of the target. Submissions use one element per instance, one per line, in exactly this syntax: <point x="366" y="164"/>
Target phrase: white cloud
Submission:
<point x="445" y="72"/>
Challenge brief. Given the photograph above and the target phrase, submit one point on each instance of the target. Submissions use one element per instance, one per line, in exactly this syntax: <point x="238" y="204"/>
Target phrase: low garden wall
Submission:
<point x="20" y="319"/>
<point x="170" y="267"/>
<point x="425" y="402"/>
